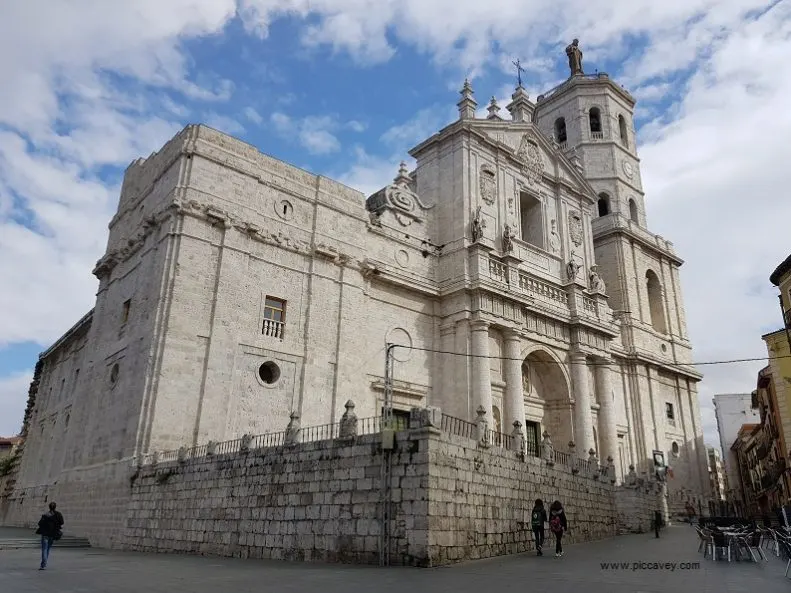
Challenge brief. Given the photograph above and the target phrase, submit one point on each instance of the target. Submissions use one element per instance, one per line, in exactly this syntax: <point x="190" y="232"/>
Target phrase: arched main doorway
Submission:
<point x="548" y="397"/>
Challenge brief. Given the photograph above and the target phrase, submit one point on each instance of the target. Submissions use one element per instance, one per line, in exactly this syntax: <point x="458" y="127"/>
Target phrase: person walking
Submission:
<point x="558" y="525"/>
<point x="49" y="528"/>
<point x="537" y="520"/>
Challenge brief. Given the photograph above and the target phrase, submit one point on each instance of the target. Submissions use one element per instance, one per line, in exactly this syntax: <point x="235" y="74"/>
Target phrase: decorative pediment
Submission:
<point x="400" y="199"/>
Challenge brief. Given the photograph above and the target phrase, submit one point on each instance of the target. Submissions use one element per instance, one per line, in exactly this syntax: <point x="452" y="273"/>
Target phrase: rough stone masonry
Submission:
<point x="453" y="498"/>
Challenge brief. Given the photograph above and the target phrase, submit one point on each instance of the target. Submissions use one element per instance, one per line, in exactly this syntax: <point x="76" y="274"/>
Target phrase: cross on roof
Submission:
<point x="519" y="71"/>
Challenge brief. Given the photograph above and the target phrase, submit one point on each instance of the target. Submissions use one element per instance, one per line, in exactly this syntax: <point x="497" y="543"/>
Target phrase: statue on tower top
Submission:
<point x="575" y="58"/>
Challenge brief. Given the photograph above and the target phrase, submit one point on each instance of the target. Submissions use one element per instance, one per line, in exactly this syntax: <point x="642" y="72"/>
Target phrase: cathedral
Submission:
<point x="513" y="269"/>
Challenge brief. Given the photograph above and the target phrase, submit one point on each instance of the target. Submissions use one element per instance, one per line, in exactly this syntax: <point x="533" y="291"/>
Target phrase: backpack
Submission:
<point x="537" y="519"/>
<point x="555" y="525"/>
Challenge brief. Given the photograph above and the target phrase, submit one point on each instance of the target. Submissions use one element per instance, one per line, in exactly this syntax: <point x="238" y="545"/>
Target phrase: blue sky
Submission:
<point x="346" y="87"/>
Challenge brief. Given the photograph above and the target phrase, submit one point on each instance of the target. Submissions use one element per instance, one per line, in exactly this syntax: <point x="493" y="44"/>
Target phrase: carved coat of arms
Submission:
<point x="488" y="185"/>
<point x="575" y="229"/>
<point x="532" y="161"/>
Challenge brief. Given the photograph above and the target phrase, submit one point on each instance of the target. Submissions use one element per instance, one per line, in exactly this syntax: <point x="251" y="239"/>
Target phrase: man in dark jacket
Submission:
<point x="49" y="528"/>
<point x="537" y="519"/>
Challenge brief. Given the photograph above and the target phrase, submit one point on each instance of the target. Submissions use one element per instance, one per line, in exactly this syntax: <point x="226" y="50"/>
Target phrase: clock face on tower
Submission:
<point x="628" y="170"/>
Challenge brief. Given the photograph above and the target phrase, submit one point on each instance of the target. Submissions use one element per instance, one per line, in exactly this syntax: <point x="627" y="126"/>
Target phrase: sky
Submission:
<point x="345" y="87"/>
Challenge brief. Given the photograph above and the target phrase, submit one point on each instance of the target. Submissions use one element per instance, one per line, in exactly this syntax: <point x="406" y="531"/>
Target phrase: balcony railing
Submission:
<point x="543" y="291"/>
<point x="498" y="271"/>
<point x="597" y="135"/>
<point x="274" y="329"/>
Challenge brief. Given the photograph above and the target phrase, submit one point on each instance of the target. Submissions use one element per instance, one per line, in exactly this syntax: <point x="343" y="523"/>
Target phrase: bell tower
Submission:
<point x="590" y="119"/>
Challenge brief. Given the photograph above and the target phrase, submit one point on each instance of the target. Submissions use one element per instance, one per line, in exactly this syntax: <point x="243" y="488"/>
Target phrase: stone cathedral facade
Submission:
<point x="514" y="265"/>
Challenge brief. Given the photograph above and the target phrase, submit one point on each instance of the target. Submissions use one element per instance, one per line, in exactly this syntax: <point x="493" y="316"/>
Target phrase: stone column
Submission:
<point x="608" y="435"/>
<point x="583" y="420"/>
<point x="514" y="397"/>
<point x="481" y="368"/>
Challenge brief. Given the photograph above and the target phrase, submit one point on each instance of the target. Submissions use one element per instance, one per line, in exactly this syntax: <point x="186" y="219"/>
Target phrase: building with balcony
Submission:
<point x="733" y="410"/>
<point x="513" y="270"/>
<point x="719" y="483"/>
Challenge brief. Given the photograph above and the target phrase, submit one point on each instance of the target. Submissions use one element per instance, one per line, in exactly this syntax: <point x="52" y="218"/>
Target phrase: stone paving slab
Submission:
<point x="89" y="571"/>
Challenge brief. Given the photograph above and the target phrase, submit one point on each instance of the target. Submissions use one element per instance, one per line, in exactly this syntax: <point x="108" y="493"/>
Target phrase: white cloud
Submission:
<point x="253" y="115"/>
<point x="223" y="123"/>
<point x="314" y="133"/>
<point x="13" y="399"/>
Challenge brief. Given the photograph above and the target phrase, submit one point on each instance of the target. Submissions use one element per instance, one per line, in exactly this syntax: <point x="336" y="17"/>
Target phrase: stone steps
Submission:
<point x="35" y="542"/>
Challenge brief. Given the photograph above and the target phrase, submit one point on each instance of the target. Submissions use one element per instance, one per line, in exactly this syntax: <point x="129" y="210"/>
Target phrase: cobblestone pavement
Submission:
<point x="93" y="570"/>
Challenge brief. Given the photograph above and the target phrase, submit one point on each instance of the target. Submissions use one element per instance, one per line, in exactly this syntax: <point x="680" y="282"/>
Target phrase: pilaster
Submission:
<point x="583" y="420"/>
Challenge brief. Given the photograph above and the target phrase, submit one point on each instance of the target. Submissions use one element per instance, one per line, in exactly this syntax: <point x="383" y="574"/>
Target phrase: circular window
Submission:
<point x="284" y="209"/>
<point x="674" y="447"/>
<point x="114" y="374"/>
<point x="269" y="373"/>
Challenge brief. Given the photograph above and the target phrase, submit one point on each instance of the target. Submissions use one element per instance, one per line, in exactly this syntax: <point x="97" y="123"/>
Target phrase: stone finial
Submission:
<point x="518" y="441"/>
<point x="593" y="463"/>
<point x="631" y="477"/>
<point x="611" y="468"/>
<point x="155" y="458"/>
<point x="182" y="454"/>
<point x="247" y="440"/>
<point x="467" y="104"/>
<point x="403" y="177"/>
<point x="493" y="109"/>
<point x="547" y="450"/>
<point x="483" y="427"/>
<point x="520" y="107"/>
<point x="211" y="448"/>
<point x="573" y="457"/>
<point x="348" y="427"/>
<point x="293" y="429"/>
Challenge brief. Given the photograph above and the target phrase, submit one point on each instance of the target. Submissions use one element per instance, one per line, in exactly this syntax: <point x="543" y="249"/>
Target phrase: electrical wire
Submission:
<point x="589" y="363"/>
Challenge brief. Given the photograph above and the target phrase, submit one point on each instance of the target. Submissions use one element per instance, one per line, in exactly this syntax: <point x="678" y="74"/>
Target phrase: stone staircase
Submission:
<point x="35" y="542"/>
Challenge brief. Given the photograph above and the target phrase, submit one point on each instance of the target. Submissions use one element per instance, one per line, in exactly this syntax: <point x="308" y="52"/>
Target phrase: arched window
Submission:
<point x="560" y="130"/>
<point x="594" y="116"/>
<point x="633" y="211"/>
<point x="622" y="128"/>
<point x="656" y="307"/>
<point x="497" y="422"/>
<point x="604" y="204"/>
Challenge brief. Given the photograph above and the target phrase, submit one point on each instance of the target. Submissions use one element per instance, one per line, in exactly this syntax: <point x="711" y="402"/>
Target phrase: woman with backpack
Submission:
<point x="537" y="520"/>
<point x="557" y="525"/>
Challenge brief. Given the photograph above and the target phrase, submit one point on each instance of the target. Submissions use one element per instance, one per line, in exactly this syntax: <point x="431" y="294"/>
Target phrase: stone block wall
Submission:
<point x="636" y="506"/>
<point x="311" y="501"/>
<point x="481" y="499"/>
<point x="93" y="501"/>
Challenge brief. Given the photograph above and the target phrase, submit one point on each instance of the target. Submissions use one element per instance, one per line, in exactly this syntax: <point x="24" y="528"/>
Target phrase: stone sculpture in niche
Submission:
<point x="532" y="162"/>
<point x="508" y="238"/>
<point x="554" y="238"/>
<point x="595" y="280"/>
<point x="478" y="224"/>
<point x="572" y="268"/>
<point x="488" y="185"/>
<point x="575" y="229"/>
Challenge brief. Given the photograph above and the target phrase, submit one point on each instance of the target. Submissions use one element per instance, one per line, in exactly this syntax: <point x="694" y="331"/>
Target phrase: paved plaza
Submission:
<point x="94" y="570"/>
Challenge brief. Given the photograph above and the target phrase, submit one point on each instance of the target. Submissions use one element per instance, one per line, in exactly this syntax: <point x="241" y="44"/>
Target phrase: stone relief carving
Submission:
<point x="400" y="198"/>
<point x="596" y="283"/>
<point x="575" y="228"/>
<point x="488" y="185"/>
<point x="478" y="224"/>
<point x="554" y="238"/>
<point x="508" y="238"/>
<point x="532" y="161"/>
